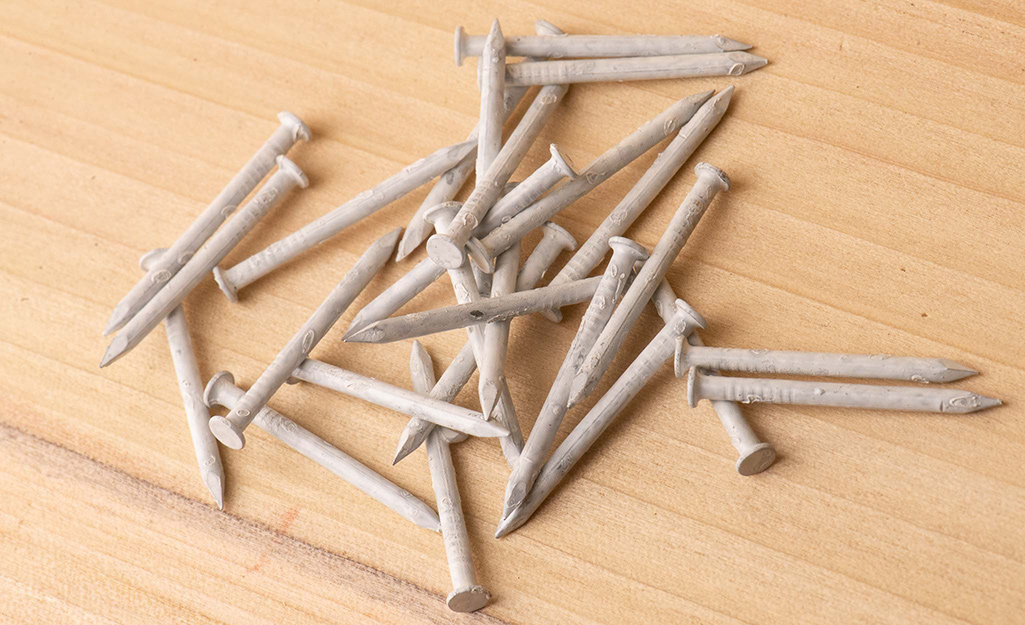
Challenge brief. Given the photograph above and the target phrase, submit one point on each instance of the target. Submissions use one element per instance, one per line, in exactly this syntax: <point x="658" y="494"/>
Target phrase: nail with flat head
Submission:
<point x="527" y="192"/>
<point x="221" y="391"/>
<point x="287" y="176"/>
<point x="710" y="181"/>
<point x="554" y="240"/>
<point x="291" y="131"/>
<point x="632" y="68"/>
<point x="208" y="455"/>
<point x="229" y="430"/>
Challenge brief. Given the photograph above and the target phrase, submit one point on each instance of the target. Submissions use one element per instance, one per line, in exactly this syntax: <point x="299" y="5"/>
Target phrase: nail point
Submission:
<point x="213" y="482"/>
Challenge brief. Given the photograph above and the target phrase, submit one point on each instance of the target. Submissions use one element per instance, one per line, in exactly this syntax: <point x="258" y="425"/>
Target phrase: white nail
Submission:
<point x="447" y="249"/>
<point x="710" y="181"/>
<point x="421" y="372"/>
<point x="208" y="455"/>
<point x="625" y="253"/>
<point x="496" y="340"/>
<point x="752" y="390"/>
<point x="359" y="207"/>
<point x="229" y="430"/>
<point x="639" y="373"/>
<point x="598" y="46"/>
<point x="632" y="68"/>
<point x="647" y="188"/>
<point x="554" y="240"/>
<point x="221" y="391"/>
<point x="755" y="456"/>
<point x="291" y="130"/>
<point x="473" y="313"/>
<point x="395" y="398"/>
<point x="640" y="141"/>
<point x="492" y="87"/>
<point x="527" y="192"/>
<point x="168" y="298"/>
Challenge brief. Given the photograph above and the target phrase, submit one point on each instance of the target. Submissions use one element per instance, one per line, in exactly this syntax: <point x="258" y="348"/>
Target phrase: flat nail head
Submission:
<point x="219" y="380"/>
<point x="561" y="235"/>
<point x="287" y="166"/>
<point x="460" y="45"/>
<point x="686" y="309"/>
<point x="757" y="459"/>
<point x="445" y="251"/>
<point x="479" y="255"/>
<point x="227" y="433"/>
<point x="468" y="599"/>
<point x="299" y="129"/>
<point x="629" y="249"/>
<point x="562" y="162"/>
<point x="692" y="387"/>
<point x="707" y="169"/>
<point x="226" y="285"/>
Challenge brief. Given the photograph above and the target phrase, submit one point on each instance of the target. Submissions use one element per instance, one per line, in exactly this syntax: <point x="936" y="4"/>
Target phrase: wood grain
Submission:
<point x="877" y="207"/>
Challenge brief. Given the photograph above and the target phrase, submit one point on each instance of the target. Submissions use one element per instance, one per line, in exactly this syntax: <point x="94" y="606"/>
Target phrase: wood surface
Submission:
<point x="877" y="206"/>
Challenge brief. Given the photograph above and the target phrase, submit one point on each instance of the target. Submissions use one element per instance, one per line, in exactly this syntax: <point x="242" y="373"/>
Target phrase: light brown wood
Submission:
<point x="877" y="206"/>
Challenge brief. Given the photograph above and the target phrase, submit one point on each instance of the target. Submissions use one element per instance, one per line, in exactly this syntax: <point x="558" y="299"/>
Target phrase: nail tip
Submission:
<point x="215" y="483"/>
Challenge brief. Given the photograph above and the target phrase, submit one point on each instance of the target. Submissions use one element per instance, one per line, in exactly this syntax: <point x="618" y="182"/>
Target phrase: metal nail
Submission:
<point x="710" y="181"/>
<point x="287" y="176"/>
<point x="229" y="430"/>
<point x="640" y="141"/>
<point x="554" y="240"/>
<point x="291" y="130"/>
<point x="421" y="372"/>
<point x="473" y="313"/>
<point x="492" y="87"/>
<point x="647" y="188"/>
<point x="496" y="337"/>
<point x="755" y="456"/>
<point x="398" y="399"/>
<point x="625" y="253"/>
<point x="190" y="384"/>
<point x="639" y="373"/>
<point x="322" y="229"/>
<point x="221" y="391"/>
<point x="751" y="390"/>
<point x="527" y="192"/>
<point x="632" y="68"/>
<point x="598" y="46"/>
<point x="447" y="249"/>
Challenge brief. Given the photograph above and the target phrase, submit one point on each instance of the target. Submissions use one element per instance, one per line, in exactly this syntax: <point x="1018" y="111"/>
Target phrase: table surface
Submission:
<point x="877" y="207"/>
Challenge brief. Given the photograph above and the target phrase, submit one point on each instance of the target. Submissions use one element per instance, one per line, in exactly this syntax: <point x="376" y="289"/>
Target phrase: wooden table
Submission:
<point x="877" y="206"/>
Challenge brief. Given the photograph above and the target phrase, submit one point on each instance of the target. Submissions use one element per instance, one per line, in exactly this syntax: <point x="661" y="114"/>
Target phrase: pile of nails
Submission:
<point x="477" y="243"/>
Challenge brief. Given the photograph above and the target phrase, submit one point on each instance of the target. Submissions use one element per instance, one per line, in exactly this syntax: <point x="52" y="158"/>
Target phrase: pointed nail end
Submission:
<point x="988" y="402"/>
<point x="732" y="45"/>
<point x="215" y="484"/>
<point x="956" y="371"/>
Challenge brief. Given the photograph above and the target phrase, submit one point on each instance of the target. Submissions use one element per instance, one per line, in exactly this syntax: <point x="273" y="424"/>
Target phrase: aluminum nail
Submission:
<point x="492" y="87"/>
<point x="486" y="310"/>
<point x="916" y="399"/>
<point x="598" y="46"/>
<point x="527" y="192"/>
<point x="396" y="398"/>
<point x="640" y="141"/>
<point x="287" y="176"/>
<point x="190" y="384"/>
<point x="647" y="188"/>
<point x="710" y="181"/>
<point x="554" y="240"/>
<point x="291" y="131"/>
<point x="467" y="595"/>
<point x="447" y="249"/>
<point x="359" y="207"/>
<point x="421" y="372"/>
<point x="632" y="68"/>
<point x="576" y="444"/>
<point x="625" y="253"/>
<point x="221" y="391"/>
<point x="229" y="430"/>
<point x="755" y="456"/>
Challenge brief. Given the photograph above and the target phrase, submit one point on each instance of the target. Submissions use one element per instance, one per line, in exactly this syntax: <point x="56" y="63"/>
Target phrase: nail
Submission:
<point x="450" y="182"/>
<point x="398" y="399"/>
<point x="471" y="314"/>
<point x="639" y="373"/>
<point x="640" y="141"/>
<point x="819" y="364"/>
<point x="598" y="46"/>
<point x="446" y="389"/>
<point x="363" y="205"/>
<point x="496" y="338"/>
<point x="755" y="456"/>
<point x="190" y="384"/>
<point x="554" y="240"/>
<point x="625" y="253"/>
<point x="647" y="188"/>
<point x="229" y="430"/>
<point x="482" y="279"/>
<point x="421" y="276"/>
<point x="421" y="372"/>
<point x="527" y="192"/>
<point x="492" y="87"/>
<point x="710" y="181"/>
<point x="632" y="68"/>
<point x="916" y="399"/>
<point x="221" y="391"/>
<point x="291" y="130"/>
<point x="447" y="249"/>
<point x="288" y="175"/>
<point x="467" y="595"/>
